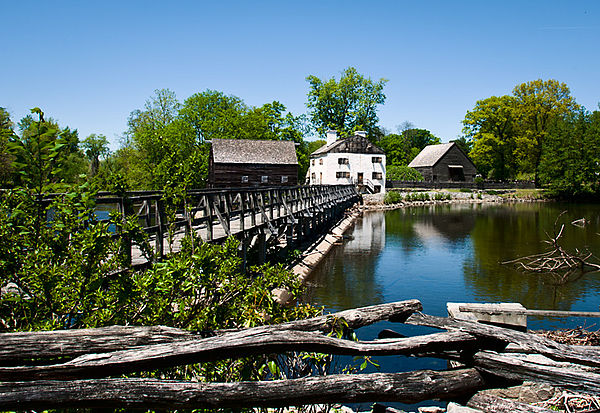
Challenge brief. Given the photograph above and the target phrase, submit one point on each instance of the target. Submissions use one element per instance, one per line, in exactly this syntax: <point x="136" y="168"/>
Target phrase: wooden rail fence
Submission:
<point x="84" y="368"/>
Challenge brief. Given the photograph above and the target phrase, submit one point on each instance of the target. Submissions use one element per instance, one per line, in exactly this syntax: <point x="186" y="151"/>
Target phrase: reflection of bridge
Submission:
<point x="258" y="217"/>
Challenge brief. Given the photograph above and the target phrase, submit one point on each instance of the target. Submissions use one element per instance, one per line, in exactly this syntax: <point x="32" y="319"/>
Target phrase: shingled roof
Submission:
<point x="254" y="152"/>
<point x="430" y="155"/>
<point x="353" y="144"/>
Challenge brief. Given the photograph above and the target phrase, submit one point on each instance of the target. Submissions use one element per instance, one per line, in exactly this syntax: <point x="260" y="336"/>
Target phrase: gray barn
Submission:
<point x="444" y="163"/>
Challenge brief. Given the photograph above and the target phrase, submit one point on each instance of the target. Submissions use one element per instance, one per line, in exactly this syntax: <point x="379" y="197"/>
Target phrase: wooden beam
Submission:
<point x="162" y="394"/>
<point x="586" y="355"/>
<point x="541" y="313"/>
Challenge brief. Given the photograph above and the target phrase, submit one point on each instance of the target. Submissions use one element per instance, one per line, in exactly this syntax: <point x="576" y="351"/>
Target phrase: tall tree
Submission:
<point x="538" y="103"/>
<point x="7" y="135"/>
<point x="346" y="105"/>
<point x="402" y="148"/>
<point x="492" y="129"/>
<point x="95" y="147"/>
<point x="571" y="162"/>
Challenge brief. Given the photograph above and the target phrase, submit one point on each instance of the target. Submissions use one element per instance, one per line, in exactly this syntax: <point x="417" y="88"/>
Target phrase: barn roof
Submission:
<point x="430" y="155"/>
<point x="352" y="144"/>
<point x="254" y="151"/>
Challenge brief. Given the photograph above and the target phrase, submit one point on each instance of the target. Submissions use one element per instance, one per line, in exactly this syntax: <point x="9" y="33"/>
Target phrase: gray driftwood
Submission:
<point x="233" y="345"/>
<point x="70" y="343"/>
<point x="541" y="369"/>
<point x="586" y="355"/>
<point x="410" y="387"/>
<point x="492" y="404"/>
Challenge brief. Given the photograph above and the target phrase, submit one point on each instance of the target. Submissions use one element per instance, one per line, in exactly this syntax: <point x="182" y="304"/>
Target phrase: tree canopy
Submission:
<point x="346" y="105"/>
<point x="402" y="148"/>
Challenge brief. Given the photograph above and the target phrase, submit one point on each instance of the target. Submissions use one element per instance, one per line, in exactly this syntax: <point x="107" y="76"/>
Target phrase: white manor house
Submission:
<point x="353" y="160"/>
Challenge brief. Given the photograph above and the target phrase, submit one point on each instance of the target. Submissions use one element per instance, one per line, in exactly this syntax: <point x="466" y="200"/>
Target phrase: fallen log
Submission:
<point x="411" y="387"/>
<point x="234" y="345"/>
<point x="70" y="343"/>
<point x="586" y="355"/>
<point x="541" y="369"/>
<point x="491" y="404"/>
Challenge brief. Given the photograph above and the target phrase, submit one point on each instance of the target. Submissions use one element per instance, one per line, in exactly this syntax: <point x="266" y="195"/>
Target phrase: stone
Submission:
<point x="457" y="408"/>
<point x="431" y="409"/>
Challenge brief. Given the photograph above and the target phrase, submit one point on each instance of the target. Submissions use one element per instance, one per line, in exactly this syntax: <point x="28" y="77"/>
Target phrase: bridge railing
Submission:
<point x="215" y="214"/>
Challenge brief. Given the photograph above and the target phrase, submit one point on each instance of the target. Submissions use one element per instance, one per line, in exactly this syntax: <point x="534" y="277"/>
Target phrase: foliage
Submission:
<point x="441" y="196"/>
<point x="417" y="196"/>
<point x="539" y="103"/>
<point x="402" y="148"/>
<point x="95" y="147"/>
<point x="402" y="173"/>
<point x="571" y="161"/>
<point x="7" y="135"/>
<point x="491" y="126"/>
<point x="346" y="105"/>
<point x="392" y="197"/>
<point x="45" y="156"/>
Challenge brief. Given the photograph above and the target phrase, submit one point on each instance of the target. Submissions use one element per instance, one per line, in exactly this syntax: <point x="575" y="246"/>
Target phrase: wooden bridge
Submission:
<point x="257" y="217"/>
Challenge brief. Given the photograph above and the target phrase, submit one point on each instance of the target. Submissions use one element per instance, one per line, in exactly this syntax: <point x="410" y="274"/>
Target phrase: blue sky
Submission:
<point x="89" y="64"/>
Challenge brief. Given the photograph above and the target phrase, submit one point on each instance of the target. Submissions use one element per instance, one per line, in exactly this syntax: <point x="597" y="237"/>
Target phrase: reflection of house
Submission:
<point x="443" y="163"/>
<point x="244" y="162"/>
<point x="369" y="235"/>
<point x="353" y="160"/>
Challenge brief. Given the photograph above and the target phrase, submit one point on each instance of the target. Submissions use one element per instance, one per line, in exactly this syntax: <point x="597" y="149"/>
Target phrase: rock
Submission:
<point x="431" y="409"/>
<point x="457" y="408"/>
<point x="529" y="392"/>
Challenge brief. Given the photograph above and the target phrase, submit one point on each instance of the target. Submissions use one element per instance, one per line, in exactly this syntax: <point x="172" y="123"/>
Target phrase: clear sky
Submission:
<point x="88" y="64"/>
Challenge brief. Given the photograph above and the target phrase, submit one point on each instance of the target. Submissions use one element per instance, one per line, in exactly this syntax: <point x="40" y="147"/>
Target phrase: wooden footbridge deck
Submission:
<point x="258" y="217"/>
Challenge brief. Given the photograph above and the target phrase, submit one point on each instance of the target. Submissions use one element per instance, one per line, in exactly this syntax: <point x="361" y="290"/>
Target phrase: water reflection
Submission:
<point x="453" y="253"/>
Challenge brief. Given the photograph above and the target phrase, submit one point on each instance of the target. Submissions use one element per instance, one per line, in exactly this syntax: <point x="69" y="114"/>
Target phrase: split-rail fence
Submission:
<point x="84" y="368"/>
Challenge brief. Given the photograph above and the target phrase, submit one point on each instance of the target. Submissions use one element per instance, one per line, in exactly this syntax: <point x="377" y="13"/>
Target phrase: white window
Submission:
<point x="321" y="161"/>
<point x="343" y="161"/>
<point x="313" y="162"/>
<point x="264" y="179"/>
<point x="377" y="175"/>
<point x="376" y="159"/>
<point x="284" y="179"/>
<point x="245" y="179"/>
<point x="343" y="174"/>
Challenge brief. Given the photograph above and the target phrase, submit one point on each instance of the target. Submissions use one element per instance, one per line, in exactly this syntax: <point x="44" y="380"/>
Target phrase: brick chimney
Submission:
<point x="331" y="136"/>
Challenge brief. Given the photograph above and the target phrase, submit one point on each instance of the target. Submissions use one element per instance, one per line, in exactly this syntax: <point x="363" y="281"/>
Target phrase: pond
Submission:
<point x="453" y="253"/>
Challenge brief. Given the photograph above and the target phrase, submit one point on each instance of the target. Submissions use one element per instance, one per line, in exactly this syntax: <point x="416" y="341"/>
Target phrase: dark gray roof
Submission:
<point x="353" y="144"/>
<point x="254" y="151"/>
<point x="430" y="155"/>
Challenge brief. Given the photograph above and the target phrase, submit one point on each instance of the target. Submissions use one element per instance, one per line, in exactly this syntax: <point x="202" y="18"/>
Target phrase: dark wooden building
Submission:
<point x="444" y="163"/>
<point x="238" y="163"/>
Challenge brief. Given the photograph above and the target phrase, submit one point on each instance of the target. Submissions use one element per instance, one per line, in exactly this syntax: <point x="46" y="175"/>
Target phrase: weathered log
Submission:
<point x="522" y="367"/>
<point x="544" y="313"/>
<point x="233" y="345"/>
<point x="70" y="343"/>
<point x="410" y="387"/>
<point x="491" y="404"/>
<point x="587" y="355"/>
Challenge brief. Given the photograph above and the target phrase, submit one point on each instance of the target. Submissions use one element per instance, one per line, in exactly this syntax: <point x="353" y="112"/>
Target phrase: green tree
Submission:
<point x="491" y="126"/>
<point x="402" y="148"/>
<point x="45" y="156"/>
<point x="346" y="105"/>
<point x="95" y="147"/>
<point x="7" y="135"/>
<point x="571" y="162"/>
<point x="538" y="104"/>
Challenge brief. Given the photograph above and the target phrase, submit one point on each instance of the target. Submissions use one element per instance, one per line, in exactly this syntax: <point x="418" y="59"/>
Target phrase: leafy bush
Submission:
<point x="402" y="173"/>
<point x="417" y="196"/>
<point x="441" y="196"/>
<point x="392" y="197"/>
<point x="465" y="190"/>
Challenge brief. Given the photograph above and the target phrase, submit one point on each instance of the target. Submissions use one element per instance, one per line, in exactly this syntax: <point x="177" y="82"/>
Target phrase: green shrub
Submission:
<point x="441" y="196"/>
<point x="392" y="197"/>
<point x="465" y="190"/>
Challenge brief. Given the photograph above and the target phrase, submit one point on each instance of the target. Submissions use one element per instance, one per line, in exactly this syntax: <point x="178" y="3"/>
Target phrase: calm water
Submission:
<point x="453" y="253"/>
